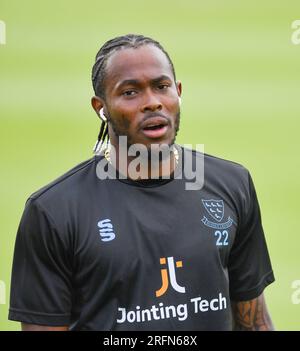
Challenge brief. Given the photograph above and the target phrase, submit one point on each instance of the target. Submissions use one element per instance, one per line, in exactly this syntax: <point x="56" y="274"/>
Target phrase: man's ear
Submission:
<point x="179" y="88"/>
<point x="97" y="104"/>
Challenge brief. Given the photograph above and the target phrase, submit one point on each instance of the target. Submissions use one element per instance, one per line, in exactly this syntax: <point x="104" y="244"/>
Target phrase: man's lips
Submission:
<point x="154" y="122"/>
<point x="155" y="127"/>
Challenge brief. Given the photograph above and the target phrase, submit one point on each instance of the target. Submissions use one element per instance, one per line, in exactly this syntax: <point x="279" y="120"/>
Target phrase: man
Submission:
<point x="141" y="252"/>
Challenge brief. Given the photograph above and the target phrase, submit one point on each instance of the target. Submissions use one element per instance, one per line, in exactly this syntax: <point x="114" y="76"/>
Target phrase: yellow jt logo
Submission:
<point x="165" y="278"/>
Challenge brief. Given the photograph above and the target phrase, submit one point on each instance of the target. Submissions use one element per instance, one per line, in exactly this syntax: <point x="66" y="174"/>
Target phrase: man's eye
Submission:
<point x="129" y="92"/>
<point x="163" y="86"/>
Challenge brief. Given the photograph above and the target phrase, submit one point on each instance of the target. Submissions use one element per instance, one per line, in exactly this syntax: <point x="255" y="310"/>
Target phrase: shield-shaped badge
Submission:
<point x="215" y="208"/>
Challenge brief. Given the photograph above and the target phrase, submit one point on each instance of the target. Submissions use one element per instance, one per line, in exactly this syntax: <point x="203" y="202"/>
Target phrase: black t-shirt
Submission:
<point x="139" y="255"/>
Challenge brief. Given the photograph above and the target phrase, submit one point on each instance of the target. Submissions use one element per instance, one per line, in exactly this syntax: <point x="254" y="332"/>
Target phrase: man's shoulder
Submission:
<point x="224" y="165"/>
<point x="67" y="183"/>
<point x="220" y="173"/>
<point x="217" y="164"/>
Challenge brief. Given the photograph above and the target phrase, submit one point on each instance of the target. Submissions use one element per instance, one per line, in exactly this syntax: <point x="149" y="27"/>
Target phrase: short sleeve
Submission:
<point x="249" y="264"/>
<point x="41" y="283"/>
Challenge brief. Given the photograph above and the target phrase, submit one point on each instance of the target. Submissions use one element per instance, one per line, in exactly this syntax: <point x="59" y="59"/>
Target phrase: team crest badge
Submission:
<point x="215" y="208"/>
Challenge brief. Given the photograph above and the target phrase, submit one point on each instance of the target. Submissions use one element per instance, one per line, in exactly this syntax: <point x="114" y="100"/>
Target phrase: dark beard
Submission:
<point x="177" y="125"/>
<point x="122" y="130"/>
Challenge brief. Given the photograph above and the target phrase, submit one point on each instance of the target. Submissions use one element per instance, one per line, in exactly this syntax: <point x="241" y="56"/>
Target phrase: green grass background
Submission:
<point x="241" y="98"/>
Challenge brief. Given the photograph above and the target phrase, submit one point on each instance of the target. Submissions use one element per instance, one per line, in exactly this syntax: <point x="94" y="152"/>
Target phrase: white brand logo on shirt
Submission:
<point x="106" y="230"/>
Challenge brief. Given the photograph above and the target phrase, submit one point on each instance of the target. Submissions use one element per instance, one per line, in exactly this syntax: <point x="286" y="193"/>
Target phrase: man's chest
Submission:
<point x="139" y="232"/>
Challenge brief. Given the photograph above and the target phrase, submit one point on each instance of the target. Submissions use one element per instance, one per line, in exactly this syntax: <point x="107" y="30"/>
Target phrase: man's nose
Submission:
<point x="151" y="102"/>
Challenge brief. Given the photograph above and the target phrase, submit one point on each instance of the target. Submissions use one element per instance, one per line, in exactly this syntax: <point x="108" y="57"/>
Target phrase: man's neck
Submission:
<point x="139" y="168"/>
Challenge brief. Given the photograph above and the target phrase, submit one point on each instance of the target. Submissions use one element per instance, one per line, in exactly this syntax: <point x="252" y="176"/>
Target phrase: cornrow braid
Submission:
<point x="98" y="71"/>
<point x="125" y="41"/>
<point x="101" y="137"/>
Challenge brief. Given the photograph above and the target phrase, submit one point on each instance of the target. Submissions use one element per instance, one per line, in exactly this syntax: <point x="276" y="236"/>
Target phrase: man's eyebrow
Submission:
<point x="137" y="82"/>
<point x="159" y="79"/>
<point x="128" y="82"/>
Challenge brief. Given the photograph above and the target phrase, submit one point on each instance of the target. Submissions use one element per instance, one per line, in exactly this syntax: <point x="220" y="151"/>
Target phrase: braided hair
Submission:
<point x="98" y="72"/>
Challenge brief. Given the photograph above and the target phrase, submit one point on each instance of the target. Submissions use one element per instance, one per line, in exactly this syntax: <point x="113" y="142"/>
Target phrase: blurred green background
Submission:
<point x="241" y="98"/>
